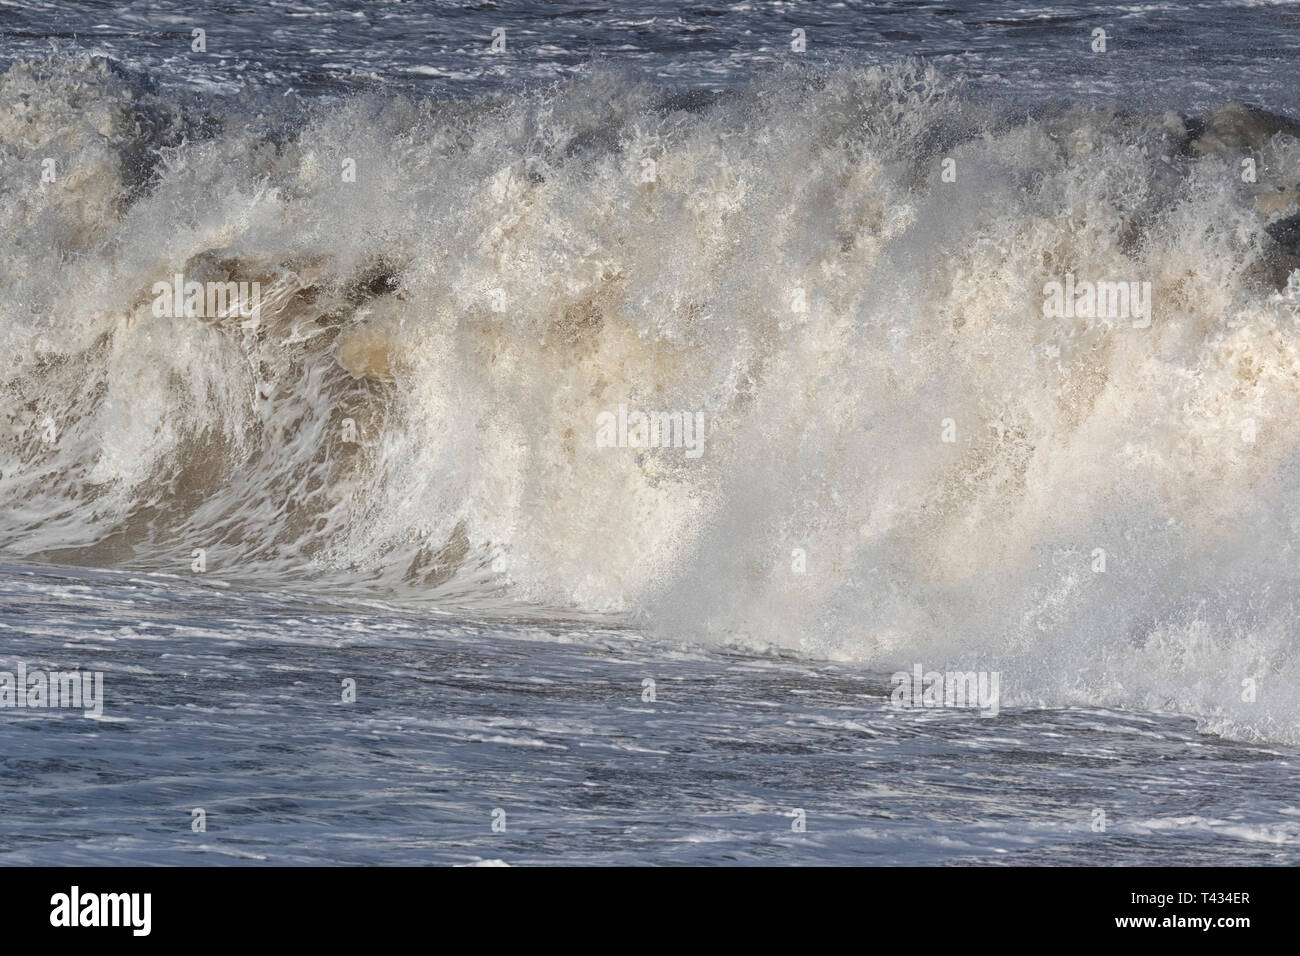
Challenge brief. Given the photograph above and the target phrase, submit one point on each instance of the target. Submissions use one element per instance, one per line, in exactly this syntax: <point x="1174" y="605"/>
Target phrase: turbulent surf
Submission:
<point x="841" y="273"/>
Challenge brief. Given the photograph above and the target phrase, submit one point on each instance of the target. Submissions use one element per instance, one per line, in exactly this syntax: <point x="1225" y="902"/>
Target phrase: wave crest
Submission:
<point x="788" y="260"/>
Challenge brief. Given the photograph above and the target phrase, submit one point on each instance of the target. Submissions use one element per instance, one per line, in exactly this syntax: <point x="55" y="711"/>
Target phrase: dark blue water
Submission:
<point x="1163" y="54"/>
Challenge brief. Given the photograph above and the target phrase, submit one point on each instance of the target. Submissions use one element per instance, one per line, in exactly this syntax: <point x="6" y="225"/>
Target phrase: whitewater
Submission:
<point x="884" y="430"/>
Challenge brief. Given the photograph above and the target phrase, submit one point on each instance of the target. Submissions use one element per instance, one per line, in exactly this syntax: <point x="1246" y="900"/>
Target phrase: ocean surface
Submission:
<point x="376" y="567"/>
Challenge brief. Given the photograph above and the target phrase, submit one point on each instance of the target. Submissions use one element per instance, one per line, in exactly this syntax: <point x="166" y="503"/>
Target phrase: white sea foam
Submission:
<point x="501" y="271"/>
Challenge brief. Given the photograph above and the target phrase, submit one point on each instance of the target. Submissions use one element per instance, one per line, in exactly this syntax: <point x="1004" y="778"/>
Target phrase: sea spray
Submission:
<point x="452" y="292"/>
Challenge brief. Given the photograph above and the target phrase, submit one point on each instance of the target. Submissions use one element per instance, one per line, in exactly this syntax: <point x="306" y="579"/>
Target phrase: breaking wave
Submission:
<point x="904" y="458"/>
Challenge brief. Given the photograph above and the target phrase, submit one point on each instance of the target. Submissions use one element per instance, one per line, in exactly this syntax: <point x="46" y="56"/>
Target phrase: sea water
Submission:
<point x="363" y="576"/>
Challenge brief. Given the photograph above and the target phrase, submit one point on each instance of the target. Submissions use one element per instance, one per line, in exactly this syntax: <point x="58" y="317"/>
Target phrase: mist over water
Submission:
<point x="795" y="268"/>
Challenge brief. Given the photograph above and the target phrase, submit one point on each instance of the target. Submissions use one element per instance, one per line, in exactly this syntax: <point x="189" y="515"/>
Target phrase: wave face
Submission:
<point x="418" y="404"/>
